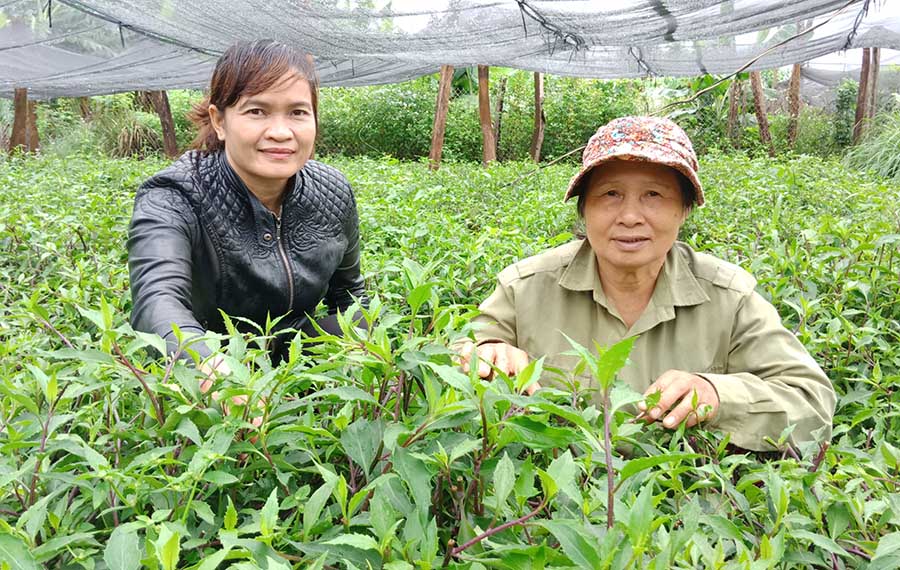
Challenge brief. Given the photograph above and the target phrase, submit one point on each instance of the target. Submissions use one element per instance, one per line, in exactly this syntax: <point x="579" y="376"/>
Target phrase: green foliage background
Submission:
<point x="374" y="451"/>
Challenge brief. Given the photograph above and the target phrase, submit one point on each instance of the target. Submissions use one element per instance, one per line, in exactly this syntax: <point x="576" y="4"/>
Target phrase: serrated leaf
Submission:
<point x="268" y="516"/>
<point x="361" y="541"/>
<point x="361" y="441"/>
<point x="452" y="377"/>
<point x="231" y="516"/>
<point x="564" y="473"/>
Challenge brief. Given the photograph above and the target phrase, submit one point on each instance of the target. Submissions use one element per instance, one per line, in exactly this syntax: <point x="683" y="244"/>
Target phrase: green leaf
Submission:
<point x="415" y="475"/>
<point x="888" y="546"/>
<point x="220" y="478"/>
<point x="312" y="510"/>
<point x="361" y="441"/>
<point x="564" y="472"/>
<point x="504" y="478"/>
<point x="268" y="516"/>
<point x="529" y="375"/>
<point x="123" y="551"/>
<point x="345" y="393"/>
<point x="361" y="541"/>
<point x="419" y="295"/>
<point x="231" y="516"/>
<point x="635" y="466"/>
<point x="578" y="543"/>
<point x="15" y="553"/>
<point x="640" y="517"/>
<point x="537" y="434"/>
<point x="819" y="540"/>
<point x="452" y="377"/>
<point x="212" y="561"/>
<point x="612" y="360"/>
<point x="548" y="484"/>
<point x="168" y="548"/>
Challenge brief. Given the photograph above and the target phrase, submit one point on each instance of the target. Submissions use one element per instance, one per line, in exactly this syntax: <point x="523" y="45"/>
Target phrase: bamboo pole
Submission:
<point x="862" y="97"/>
<point x="488" y="146"/>
<point x="440" y="117"/>
<point x="537" y="136"/>
<point x="759" y="105"/>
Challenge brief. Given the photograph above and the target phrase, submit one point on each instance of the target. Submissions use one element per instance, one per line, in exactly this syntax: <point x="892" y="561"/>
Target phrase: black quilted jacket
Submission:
<point x="200" y="241"/>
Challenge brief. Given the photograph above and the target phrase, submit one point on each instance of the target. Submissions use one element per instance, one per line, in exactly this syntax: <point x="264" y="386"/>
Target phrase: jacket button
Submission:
<point x="267" y="236"/>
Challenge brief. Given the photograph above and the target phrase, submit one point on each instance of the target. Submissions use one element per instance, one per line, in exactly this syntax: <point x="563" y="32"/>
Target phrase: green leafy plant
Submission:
<point x="375" y="450"/>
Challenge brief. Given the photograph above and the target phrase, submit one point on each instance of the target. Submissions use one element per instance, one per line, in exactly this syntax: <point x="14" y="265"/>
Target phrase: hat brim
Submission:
<point x="676" y="162"/>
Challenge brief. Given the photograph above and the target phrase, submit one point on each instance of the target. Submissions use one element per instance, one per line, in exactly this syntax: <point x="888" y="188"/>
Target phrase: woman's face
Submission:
<point x="632" y="214"/>
<point x="268" y="136"/>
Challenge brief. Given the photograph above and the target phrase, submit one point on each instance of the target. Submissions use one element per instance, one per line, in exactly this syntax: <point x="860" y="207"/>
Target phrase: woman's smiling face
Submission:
<point x="632" y="214"/>
<point x="268" y="136"/>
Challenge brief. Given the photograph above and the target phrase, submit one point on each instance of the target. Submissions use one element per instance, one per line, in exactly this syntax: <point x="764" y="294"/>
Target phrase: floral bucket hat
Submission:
<point x="641" y="139"/>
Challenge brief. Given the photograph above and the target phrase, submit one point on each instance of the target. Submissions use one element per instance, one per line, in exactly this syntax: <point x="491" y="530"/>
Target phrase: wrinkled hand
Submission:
<point x="505" y="357"/>
<point x="678" y="387"/>
<point x="216" y="366"/>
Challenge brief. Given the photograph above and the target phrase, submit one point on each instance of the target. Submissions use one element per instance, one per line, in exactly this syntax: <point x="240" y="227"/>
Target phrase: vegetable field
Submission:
<point x="376" y="452"/>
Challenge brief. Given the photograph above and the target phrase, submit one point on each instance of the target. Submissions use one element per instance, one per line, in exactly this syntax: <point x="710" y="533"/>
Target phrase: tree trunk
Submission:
<point x="759" y="105"/>
<point x="874" y="67"/>
<point x="498" y="112"/>
<point x="24" y="131"/>
<point x="440" y="117"/>
<point x="537" y="137"/>
<point x="84" y="105"/>
<point x="143" y="100"/>
<point x="160" y="102"/>
<point x="489" y="148"/>
<point x="735" y="97"/>
<point x="862" y="97"/>
<point x="793" y="105"/>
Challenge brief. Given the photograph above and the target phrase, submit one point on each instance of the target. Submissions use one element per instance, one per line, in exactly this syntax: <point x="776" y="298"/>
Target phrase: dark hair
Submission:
<point x="688" y="192"/>
<point x="246" y="69"/>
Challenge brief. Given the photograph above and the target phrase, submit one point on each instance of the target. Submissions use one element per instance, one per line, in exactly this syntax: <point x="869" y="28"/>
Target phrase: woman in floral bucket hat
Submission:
<point x="703" y="331"/>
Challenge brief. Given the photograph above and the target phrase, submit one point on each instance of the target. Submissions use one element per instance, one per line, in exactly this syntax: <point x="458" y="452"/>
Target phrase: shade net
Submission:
<point x="82" y="48"/>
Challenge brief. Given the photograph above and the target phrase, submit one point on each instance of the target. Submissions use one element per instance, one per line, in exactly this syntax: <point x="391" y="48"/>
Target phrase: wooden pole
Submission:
<point x="759" y="105"/>
<point x="498" y="112"/>
<point x="84" y="106"/>
<point x="24" y="130"/>
<point x="862" y="97"/>
<point x="793" y="105"/>
<point x="160" y="102"/>
<point x="874" y="66"/>
<point x="489" y="147"/>
<point x="735" y="97"/>
<point x="440" y="117"/>
<point x="537" y="136"/>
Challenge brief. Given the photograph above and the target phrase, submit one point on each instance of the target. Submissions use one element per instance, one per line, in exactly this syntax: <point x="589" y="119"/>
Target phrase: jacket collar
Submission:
<point x="676" y="285"/>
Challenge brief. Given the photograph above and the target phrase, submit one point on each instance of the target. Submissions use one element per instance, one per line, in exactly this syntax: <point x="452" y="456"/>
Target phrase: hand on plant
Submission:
<point x="505" y="357"/>
<point x="216" y="366"/>
<point x="696" y="399"/>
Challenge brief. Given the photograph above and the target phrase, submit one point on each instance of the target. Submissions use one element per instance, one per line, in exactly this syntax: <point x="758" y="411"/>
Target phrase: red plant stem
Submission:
<point x="494" y="530"/>
<point x="819" y="457"/>
<point x="32" y="496"/>
<point x="157" y="407"/>
<point x="59" y="334"/>
<point x="610" y="476"/>
<point x="858" y="552"/>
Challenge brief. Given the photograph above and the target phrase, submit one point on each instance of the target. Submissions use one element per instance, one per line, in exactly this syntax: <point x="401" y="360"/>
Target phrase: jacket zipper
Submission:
<point x="287" y="265"/>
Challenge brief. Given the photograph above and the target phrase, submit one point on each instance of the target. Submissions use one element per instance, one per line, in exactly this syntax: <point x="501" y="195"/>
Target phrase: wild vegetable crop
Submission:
<point x="376" y="452"/>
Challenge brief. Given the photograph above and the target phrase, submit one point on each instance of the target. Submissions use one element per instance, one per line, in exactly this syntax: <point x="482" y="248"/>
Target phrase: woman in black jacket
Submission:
<point x="245" y="223"/>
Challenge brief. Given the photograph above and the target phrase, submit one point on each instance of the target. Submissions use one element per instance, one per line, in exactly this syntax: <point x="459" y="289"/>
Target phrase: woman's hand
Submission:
<point x="505" y="357"/>
<point x="216" y="366"/>
<point x="677" y="386"/>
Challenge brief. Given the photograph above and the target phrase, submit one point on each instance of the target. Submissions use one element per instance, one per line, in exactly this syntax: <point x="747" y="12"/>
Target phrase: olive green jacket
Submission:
<point x="704" y="317"/>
